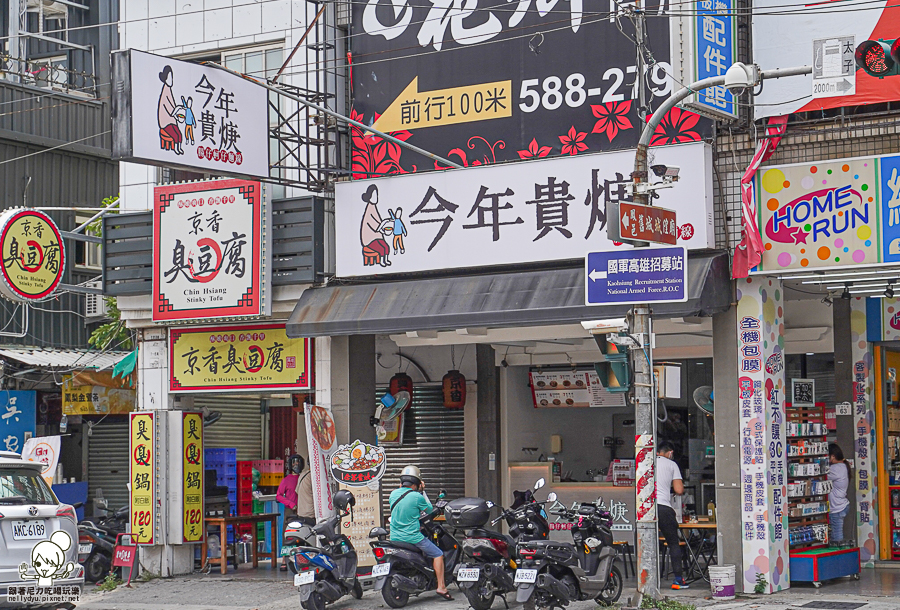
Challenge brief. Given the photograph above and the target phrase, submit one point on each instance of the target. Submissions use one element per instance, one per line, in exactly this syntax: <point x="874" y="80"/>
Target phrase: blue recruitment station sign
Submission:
<point x="640" y="275"/>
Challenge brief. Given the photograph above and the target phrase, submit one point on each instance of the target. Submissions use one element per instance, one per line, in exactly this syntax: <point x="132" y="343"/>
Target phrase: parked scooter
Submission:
<point x="295" y="534"/>
<point x="326" y="573"/>
<point x="552" y="574"/>
<point x="488" y="566"/>
<point x="97" y="542"/>
<point x="402" y="569"/>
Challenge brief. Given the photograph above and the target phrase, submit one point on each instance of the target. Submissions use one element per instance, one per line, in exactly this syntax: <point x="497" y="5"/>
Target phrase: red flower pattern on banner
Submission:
<point x="534" y="150"/>
<point x="373" y="156"/>
<point x="470" y="144"/>
<point x="676" y="127"/>
<point x="612" y="118"/>
<point x="573" y="142"/>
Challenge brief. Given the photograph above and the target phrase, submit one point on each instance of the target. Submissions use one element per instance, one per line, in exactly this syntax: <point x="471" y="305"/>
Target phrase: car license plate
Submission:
<point x="304" y="578"/>
<point x="468" y="574"/>
<point x="84" y="549"/>
<point x="29" y="530"/>
<point x="526" y="576"/>
<point x="381" y="569"/>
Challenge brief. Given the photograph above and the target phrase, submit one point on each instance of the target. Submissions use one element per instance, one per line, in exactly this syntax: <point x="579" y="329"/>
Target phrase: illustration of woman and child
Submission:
<point x="169" y="115"/>
<point x="375" y="228"/>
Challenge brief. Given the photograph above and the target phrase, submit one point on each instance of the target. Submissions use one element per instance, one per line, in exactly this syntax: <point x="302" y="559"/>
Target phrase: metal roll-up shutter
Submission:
<point x="108" y="461"/>
<point x="434" y="440"/>
<point x="240" y="426"/>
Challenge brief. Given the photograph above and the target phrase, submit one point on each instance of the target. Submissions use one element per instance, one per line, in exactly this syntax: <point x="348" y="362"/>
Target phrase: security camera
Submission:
<point x="741" y="76"/>
<point x="666" y="171"/>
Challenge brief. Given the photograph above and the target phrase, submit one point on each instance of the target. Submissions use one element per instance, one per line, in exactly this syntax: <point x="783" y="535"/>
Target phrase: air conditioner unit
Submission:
<point x="94" y="304"/>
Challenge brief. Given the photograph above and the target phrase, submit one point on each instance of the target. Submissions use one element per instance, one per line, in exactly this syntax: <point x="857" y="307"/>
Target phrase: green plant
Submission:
<point x="147" y="576"/>
<point x="665" y="604"/>
<point x="110" y="583"/>
<point x="113" y="332"/>
<point x="761" y="584"/>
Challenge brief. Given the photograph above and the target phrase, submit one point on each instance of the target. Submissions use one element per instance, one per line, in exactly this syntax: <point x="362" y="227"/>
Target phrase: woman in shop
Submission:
<point x="839" y="505"/>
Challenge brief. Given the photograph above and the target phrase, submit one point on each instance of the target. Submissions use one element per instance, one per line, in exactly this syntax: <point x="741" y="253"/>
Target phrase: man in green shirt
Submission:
<point x="407" y="503"/>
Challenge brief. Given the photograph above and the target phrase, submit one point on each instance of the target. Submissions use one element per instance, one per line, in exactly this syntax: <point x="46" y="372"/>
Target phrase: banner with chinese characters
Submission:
<point x="830" y="214"/>
<point x="17" y="418"/>
<point x="515" y="213"/>
<point x="491" y="82"/>
<point x="33" y="255"/>
<point x="366" y="515"/>
<point x="80" y="395"/>
<point x="865" y="462"/>
<point x="209" y="250"/>
<point x="238" y="358"/>
<point x="192" y="471"/>
<point x="43" y="449"/>
<point x="142" y="452"/>
<point x="170" y="112"/>
<point x="761" y="387"/>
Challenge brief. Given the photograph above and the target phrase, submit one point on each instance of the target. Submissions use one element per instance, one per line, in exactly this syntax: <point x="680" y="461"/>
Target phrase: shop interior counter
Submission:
<point x="618" y="500"/>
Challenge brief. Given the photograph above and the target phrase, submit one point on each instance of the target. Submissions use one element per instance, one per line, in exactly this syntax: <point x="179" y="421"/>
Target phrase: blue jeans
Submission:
<point x="837" y="524"/>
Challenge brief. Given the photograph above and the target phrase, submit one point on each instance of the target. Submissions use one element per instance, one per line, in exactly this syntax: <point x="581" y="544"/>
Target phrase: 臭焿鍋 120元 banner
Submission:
<point x="484" y="81"/>
<point x="830" y="214"/>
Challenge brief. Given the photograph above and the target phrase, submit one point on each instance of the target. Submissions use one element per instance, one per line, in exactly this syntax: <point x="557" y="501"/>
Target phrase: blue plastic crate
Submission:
<point x="232" y="499"/>
<point x="224" y="456"/>
<point x="230" y="482"/>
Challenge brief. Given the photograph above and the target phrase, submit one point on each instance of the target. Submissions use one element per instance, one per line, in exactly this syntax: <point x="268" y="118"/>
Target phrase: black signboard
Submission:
<point x="485" y="81"/>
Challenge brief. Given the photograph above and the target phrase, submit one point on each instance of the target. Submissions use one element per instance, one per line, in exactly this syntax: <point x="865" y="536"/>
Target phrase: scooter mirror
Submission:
<point x="551" y="497"/>
<point x="539" y="483"/>
<point x="489" y="504"/>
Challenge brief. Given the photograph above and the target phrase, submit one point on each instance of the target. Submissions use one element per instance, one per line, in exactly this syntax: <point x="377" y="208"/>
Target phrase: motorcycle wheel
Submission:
<point x="357" y="590"/>
<point x="315" y="602"/>
<point x="96" y="568"/>
<point x="613" y="590"/>
<point x="395" y="598"/>
<point x="481" y="596"/>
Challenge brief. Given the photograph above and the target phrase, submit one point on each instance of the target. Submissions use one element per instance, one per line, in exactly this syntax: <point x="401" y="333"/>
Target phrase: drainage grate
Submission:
<point x="834" y="605"/>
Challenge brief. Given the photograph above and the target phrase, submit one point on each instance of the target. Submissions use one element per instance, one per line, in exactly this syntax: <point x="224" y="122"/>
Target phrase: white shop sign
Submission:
<point x="524" y="212"/>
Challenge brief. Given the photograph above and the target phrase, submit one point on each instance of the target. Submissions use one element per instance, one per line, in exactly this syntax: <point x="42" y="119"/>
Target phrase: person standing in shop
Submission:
<point x="839" y="505"/>
<point x="668" y="479"/>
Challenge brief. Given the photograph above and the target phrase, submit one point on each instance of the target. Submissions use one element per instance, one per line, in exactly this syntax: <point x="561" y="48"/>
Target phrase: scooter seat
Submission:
<point x="404" y="545"/>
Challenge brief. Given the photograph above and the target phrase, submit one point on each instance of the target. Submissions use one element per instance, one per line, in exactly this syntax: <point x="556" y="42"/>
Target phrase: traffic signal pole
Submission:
<point x="647" y="550"/>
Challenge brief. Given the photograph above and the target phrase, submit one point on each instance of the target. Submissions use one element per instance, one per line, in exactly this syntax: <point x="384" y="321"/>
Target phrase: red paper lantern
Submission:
<point x="454" y="386"/>
<point x="401" y="382"/>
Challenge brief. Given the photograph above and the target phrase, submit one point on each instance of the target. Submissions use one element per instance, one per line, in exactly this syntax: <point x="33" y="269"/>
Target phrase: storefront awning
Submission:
<point x="532" y="298"/>
<point x="74" y="359"/>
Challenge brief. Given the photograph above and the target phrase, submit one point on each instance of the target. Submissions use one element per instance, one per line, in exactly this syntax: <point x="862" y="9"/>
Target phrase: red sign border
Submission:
<point x="131" y="417"/>
<point x="62" y="254"/>
<point x="308" y="360"/>
<point x="256" y="308"/>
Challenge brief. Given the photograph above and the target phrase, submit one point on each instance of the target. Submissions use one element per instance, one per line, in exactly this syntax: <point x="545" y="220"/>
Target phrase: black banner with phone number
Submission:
<point x="485" y="81"/>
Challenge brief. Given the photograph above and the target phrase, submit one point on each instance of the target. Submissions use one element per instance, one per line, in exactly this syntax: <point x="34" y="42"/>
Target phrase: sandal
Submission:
<point x="283" y="567"/>
<point x="446" y="595"/>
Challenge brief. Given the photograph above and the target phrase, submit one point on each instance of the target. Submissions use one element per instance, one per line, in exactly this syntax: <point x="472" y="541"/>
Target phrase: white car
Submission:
<point x="38" y="534"/>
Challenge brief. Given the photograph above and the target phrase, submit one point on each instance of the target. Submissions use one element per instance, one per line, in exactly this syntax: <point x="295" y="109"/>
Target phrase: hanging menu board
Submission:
<point x="571" y="389"/>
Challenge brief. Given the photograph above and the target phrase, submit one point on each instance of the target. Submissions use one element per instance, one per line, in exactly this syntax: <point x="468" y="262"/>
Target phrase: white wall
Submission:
<point x="582" y="430"/>
<point x="435" y="360"/>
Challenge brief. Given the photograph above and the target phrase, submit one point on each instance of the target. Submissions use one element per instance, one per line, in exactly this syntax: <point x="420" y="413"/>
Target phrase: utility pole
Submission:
<point x="647" y="536"/>
<point x="738" y="77"/>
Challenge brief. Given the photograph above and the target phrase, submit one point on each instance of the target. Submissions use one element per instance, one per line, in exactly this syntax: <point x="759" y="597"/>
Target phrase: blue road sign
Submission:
<point x="642" y="275"/>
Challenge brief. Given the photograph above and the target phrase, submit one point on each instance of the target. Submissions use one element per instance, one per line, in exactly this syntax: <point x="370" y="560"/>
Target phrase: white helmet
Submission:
<point x="410" y="475"/>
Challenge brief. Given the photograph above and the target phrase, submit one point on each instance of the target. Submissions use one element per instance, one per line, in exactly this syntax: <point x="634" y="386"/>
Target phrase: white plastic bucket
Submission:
<point x="721" y="581"/>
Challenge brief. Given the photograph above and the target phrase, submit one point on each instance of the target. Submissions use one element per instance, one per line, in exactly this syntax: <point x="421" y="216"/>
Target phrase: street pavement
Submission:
<point x="213" y="592"/>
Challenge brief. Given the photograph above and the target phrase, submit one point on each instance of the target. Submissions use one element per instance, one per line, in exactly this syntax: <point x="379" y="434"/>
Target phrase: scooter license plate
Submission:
<point x="381" y="569"/>
<point x="304" y="578"/>
<point x="526" y="576"/>
<point x="84" y="549"/>
<point x="468" y="574"/>
<point x="286" y="551"/>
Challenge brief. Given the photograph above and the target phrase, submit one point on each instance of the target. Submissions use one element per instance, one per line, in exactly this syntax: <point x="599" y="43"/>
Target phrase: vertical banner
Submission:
<point x="17" y="419"/>
<point x="141" y="435"/>
<point x="864" y="448"/>
<point x="322" y="442"/>
<point x="366" y="515"/>
<point x="192" y="469"/>
<point x="760" y="333"/>
<point x="43" y="449"/>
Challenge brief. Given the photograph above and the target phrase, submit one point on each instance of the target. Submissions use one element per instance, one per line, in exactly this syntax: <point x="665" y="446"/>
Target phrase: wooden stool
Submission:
<point x="624" y="549"/>
<point x="166" y="142"/>
<point x="370" y="256"/>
